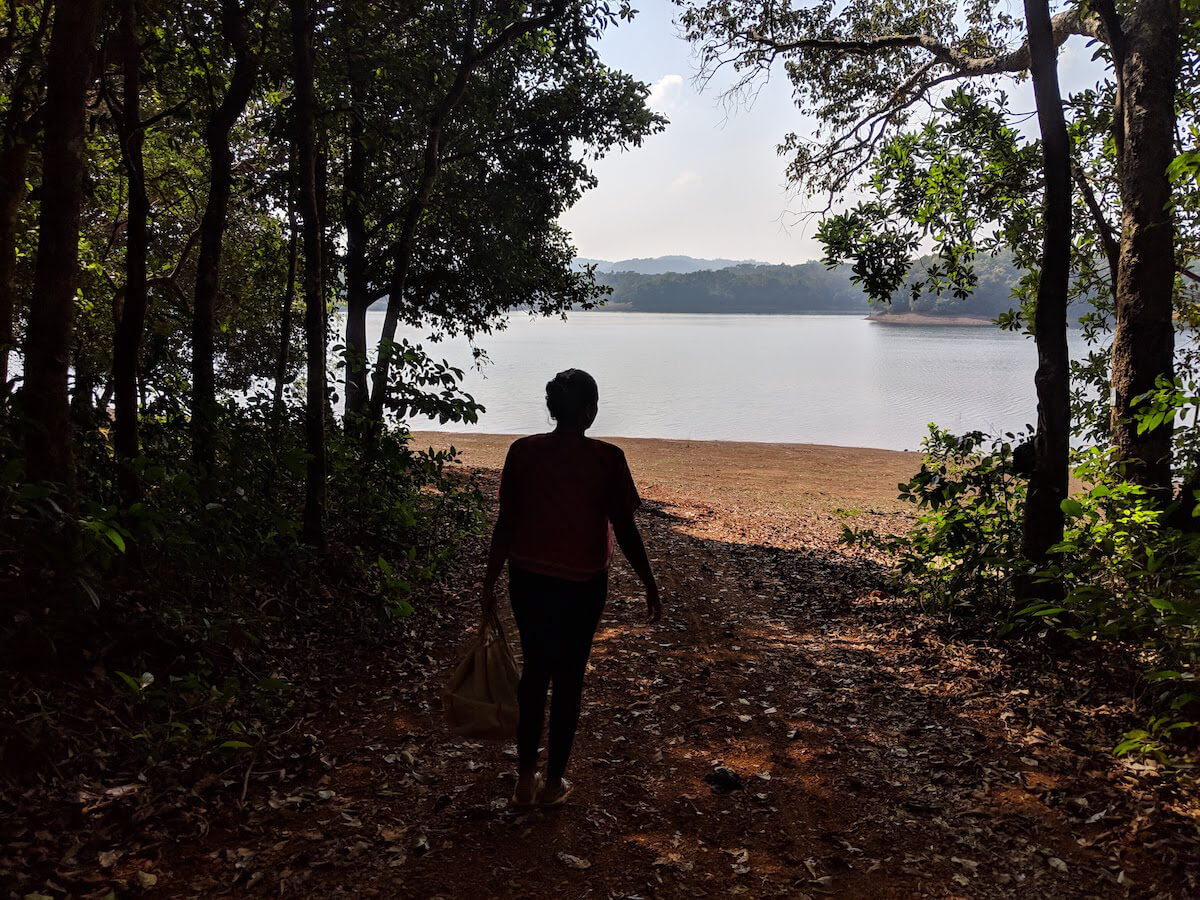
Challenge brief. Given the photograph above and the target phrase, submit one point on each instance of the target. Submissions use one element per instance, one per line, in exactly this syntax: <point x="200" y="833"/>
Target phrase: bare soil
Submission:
<point x="789" y="729"/>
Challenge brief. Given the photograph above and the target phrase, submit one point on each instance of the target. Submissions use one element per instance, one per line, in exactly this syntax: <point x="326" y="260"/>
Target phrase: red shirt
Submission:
<point x="561" y="491"/>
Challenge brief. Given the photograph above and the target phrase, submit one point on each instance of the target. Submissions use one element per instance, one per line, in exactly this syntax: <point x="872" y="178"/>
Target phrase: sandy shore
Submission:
<point x="805" y="478"/>
<point x="911" y="318"/>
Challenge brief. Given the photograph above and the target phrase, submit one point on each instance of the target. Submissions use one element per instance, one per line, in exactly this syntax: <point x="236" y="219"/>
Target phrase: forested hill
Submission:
<point x="808" y="287"/>
<point x="659" y="265"/>
<point x="738" y="289"/>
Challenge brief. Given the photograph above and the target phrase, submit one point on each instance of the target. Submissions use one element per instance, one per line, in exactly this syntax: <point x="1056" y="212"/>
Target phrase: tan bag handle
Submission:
<point x="493" y="622"/>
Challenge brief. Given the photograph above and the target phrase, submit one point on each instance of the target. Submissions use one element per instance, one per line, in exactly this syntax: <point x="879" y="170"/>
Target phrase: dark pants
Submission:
<point x="557" y="620"/>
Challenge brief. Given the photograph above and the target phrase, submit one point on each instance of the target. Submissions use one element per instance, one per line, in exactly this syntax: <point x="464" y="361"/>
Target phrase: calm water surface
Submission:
<point x="805" y="379"/>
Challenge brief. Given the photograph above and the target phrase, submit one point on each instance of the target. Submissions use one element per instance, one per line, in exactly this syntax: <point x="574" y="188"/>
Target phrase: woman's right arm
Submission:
<point x="629" y="539"/>
<point x="501" y="541"/>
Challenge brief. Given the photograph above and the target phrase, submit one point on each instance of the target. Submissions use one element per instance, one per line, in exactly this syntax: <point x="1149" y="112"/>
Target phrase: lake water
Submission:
<point x="805" y="379"/>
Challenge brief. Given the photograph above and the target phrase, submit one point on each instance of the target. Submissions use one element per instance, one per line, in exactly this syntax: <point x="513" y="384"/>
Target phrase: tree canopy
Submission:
<point x="444" y="141"/>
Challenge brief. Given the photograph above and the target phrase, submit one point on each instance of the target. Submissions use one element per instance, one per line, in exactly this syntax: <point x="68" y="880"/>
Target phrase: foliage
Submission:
<point x="965" y="182"/>
<point x="912" y="104"/>
<point x="963" y="551"/>
<point x="401" y="516"/>
<point x="1130" y="576"/>
<point x="168" y="577"/>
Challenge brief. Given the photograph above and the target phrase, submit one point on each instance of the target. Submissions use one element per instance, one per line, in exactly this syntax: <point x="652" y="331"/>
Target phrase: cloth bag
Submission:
<point x="481" y="697"/>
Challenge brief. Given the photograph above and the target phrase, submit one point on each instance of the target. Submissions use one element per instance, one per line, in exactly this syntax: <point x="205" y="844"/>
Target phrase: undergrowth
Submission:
<point x="1124" y="576"/>
<point x="153" y="631"/>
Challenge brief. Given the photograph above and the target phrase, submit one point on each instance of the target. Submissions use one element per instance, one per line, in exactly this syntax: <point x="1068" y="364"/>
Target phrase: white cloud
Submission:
<point x="665" y="92"/>
<point x="685" y="180"/>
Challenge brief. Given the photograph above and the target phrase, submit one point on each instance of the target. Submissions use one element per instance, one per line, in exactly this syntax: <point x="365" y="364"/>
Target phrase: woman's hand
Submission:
<point x="487" y="604"/>
<point x="653" y="603"/>
<point x="630" y="539"/>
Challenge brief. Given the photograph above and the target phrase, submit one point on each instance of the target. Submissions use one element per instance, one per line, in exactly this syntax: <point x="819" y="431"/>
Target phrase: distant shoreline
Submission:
<point x="890" y="318"/>
<point x="912" y="318"/>
<point x="626" y="307"/>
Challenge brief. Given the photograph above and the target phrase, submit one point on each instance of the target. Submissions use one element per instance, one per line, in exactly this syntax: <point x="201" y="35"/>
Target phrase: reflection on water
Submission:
<point x="805" y="379"/>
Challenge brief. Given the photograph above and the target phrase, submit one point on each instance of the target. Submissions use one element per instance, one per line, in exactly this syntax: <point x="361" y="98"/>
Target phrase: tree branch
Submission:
<point x="1065" y="24"/>
<point x="166" y="113"/>
<point x="1112" y="249"/>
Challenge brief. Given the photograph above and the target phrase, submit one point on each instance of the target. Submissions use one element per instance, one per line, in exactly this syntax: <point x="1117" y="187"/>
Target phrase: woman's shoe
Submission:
<point x="533" y="798"/>
<point x="559" y="797"/>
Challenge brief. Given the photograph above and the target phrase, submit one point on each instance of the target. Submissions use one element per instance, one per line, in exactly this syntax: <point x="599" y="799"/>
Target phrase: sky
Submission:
<point x="712" y="184"/>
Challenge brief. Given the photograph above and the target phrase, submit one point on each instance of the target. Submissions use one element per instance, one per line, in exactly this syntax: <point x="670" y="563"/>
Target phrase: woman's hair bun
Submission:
<point x="570" y="393"/>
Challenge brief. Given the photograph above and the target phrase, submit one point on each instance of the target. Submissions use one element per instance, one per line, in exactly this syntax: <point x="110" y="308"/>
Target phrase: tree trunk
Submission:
<point x="212" y="233"/>
<point x="52" y="306"/>
<point x="357" y="391"/>
<point x="15" y="144"/>
<point x="131" y="323"/>
<point x="1043" y="523"/>
<point x="1144" y="337"/>
<point x="305" y="108"/>
<point x="285" y="316"/>
<point x="14" y="159"/>
<point x="328" y="253"/>
<point x="83" y="393"/>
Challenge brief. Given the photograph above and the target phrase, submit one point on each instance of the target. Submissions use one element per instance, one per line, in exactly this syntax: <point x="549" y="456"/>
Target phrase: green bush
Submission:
<point x="963" y="551"/>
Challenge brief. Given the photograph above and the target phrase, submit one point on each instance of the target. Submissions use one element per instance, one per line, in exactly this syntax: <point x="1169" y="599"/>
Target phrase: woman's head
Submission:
<point x="573" y="398"/>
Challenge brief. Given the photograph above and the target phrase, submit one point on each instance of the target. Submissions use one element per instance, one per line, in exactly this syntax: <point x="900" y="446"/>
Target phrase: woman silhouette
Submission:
<point x="558" y="495"/>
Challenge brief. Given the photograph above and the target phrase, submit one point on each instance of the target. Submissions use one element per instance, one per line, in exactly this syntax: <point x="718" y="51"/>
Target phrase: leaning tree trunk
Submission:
<point x="52" y="306"/>
<point x="1043" y="523"/>
<point x="404" y="248"/>
<point x="1144" y="337"/>
<point x="401" y="264"/>
<point x="131" y="324"/>
<point x="212" y="233"/>
<point x="305" y="110"/>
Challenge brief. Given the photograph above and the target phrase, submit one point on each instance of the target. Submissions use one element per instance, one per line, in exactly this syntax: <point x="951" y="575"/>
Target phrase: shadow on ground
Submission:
<point x="788" y="730"/>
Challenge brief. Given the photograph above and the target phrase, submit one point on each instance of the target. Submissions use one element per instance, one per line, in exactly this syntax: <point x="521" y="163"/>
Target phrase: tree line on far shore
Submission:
<point x="811" y="287"/>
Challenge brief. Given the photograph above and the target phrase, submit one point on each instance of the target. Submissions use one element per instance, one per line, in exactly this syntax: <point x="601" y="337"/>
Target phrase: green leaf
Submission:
<point x="134" y="684"/>
<point x="113" y="535"/>
<point x="89" y="590"/>
<point x="1126" y="745"/>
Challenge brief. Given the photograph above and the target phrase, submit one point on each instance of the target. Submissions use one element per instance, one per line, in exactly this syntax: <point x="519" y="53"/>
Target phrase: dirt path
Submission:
<point x="787" y="731"/>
